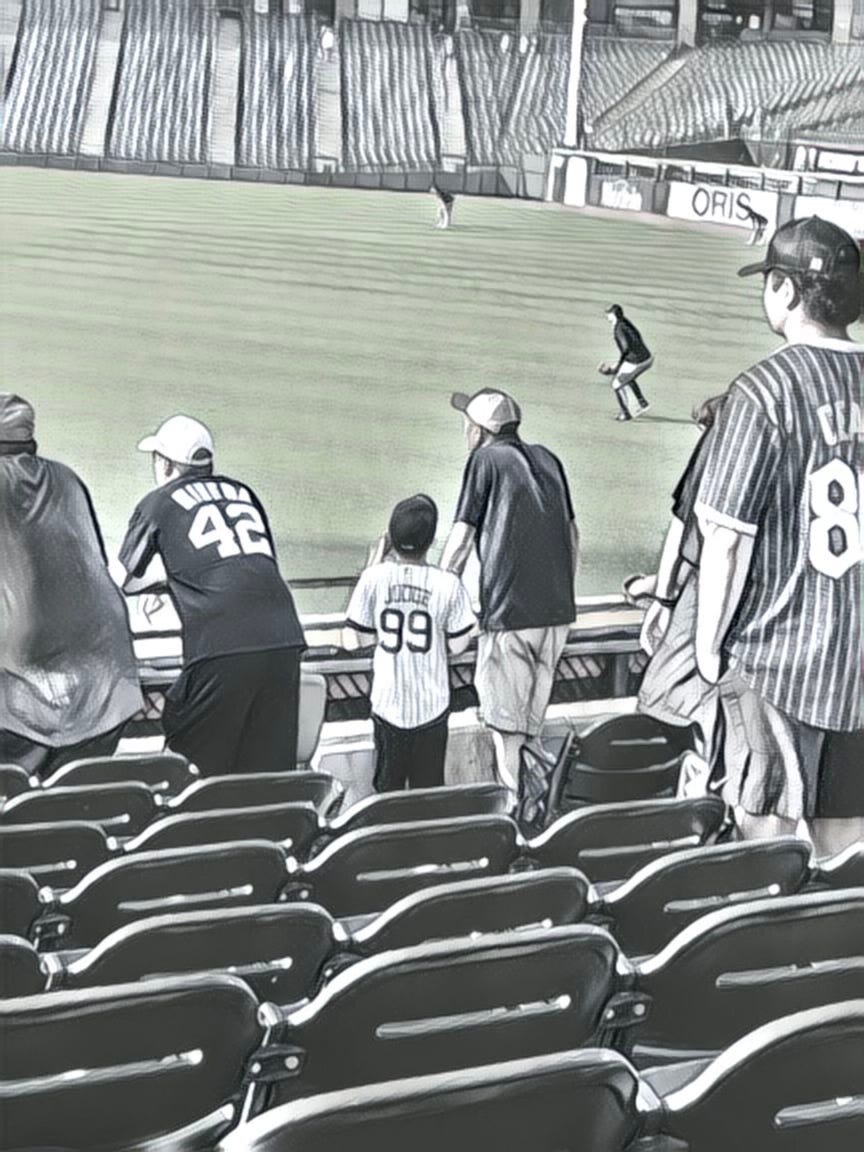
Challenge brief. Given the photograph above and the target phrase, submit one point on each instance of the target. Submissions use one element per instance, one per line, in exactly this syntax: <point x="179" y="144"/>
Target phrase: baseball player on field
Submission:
<point x="635" y="359"/>
<point x="780" y="511"/>
<point x="415" y="614"/>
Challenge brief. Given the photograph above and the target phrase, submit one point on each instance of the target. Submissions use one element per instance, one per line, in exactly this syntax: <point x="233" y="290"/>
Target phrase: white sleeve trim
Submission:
<point x="706" y="513"/>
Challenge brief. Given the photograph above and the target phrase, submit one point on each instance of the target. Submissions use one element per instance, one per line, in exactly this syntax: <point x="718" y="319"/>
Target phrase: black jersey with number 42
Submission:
<point x="215" y="542"/>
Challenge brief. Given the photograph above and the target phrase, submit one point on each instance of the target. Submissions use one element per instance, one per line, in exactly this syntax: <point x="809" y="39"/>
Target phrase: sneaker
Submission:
<point x="623" y="416"/>
<point x="643" y="408"/>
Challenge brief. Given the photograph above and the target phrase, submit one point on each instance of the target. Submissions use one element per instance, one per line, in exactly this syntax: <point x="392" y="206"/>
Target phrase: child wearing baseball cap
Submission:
<point x="416" y="615"/>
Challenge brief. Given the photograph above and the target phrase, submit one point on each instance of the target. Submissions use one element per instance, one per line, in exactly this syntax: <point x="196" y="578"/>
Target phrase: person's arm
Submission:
<point x="139" y="557"/>
<point x="622" y="339"/>
<point x="461" y="623"/>
<point x="667" y="586"/>
<point x="457" y="547"/>
<point x="470" y="511"/>
<point x="723" y="566"/>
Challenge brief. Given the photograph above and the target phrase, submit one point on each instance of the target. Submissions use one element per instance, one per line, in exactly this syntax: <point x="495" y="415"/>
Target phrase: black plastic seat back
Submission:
<point x="612" y="841"/>
<point x="520" y="901"/>
<point x="119" y="809"/>
<point x="19" y="902"/>
<point x="585" y="784"/>
<point x="630" y="742"/>
<point x="368" y="870"/>
<point x="157" y="883"/>
<point x="279" y="950"/>
<point x="256" y="790"/>
<point x="149" y="1059"/>
<point x="792" y="1086"/>
<point x="653" y="906"/>
<point x="423" y="804"/>
<point x="452" y="1005"/>
<point x="164" y="773"/>
<point x="294" y="826"/>
<point x="54" y="854"/>
<point x="570" y="1102"/>
<point x="843" y="871"/>
<point x="737" y="969"/>
<point x="21" y="973"/>
<point x="13" y="782"/>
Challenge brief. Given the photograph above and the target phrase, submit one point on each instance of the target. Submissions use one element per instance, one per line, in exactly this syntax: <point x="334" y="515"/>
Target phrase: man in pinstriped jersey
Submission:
<point x="780" y="510"/>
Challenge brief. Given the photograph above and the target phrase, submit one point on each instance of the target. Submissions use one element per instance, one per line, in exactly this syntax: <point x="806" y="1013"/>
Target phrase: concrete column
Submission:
<point x="529" y="15"/>
<point x="842" y="30"/>
<point x="688" y="21"/>
<point x="577" y="34"/>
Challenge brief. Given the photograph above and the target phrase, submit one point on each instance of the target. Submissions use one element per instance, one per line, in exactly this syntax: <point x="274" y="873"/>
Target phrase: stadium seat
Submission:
<point x="571" y="1102"/>
<point x="523" y="900"/>
<point x="447" y="1006"/>
<point x="19" y="902"/>
<point x="56" y="854"/>
<point x="164" y="774"/>
<point x="662" y="898"/>
<point x="119" y="809"/>
<point x="610" y="842"/>
<point x="258" y="789"/>
<point x="122" y="891"/>
<point x="793" y="1085"/>
<point x="630" y="741"/>
<point x="279" y="950"/>
<point x="845" y="870"/>
<point x="734" y="970"/>
<point x="293" y="826"/>
<point x="423" y="804"/>
<point x="311" y="710"/>
<point x="120" y="1067"/>
<point x="13" y="781"/>
<point x="21" y="972"/>
<point x="368" y="870"/>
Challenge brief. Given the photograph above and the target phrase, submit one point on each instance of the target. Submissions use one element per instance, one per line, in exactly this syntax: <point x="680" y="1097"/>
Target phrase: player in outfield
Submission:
<point x="758" y="224"/>
<point x="205" y="539"/>
<point x="634" y="360"/>
<point x="445" y="201"/>
<point x="415" y="614"/>
<point x="779" y="508"/>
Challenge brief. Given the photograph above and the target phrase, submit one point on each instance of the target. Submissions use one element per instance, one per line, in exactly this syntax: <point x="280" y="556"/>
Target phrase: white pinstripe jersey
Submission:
<point x="413" y="609"/>
<point x="784" y="465"/>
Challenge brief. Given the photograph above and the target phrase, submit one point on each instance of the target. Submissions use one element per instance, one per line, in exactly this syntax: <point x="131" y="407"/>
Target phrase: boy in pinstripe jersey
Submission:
<point x="780" y="510"/>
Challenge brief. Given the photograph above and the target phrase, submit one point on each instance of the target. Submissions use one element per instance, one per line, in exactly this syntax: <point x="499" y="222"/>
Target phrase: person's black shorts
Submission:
<point x="236" y="713"/>
<point x="409" y="756"/>
<point x="840" y="795"/>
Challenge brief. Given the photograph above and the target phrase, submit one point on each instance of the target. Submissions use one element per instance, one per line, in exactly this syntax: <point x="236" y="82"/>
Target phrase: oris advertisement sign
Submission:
<point x="715" y="204"/>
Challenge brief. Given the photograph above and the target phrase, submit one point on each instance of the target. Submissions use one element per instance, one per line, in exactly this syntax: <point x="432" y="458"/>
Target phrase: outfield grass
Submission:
<point x="320" y="332"/>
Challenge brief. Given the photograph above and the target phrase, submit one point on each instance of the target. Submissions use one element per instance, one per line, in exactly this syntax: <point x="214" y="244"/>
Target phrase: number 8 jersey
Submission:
<point x="215" y="543"/>
<point x="413" y="609"/>
<point x="784" y="465"/>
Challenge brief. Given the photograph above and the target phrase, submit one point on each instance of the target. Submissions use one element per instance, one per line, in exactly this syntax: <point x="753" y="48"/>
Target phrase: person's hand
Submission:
<point x="605" y="368"/>
<point x="708" y="664"/>
<point x="654" y="627"/>
<point x="639" y="587"/>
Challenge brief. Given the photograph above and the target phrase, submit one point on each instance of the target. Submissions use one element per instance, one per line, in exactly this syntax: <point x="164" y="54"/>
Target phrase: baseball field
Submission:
<point x="319" y="332"/>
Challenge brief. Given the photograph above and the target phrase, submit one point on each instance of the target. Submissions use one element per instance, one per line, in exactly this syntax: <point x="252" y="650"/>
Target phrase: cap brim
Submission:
<point x="148" y="444"/>
<point x="460" y="401"/>
<point x="754" y="269"/>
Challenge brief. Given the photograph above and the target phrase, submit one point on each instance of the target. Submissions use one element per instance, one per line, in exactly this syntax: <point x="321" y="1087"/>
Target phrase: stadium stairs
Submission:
<point x="664" y="73"/>
<point x="328" y="155"/>
<point x="10" y="19"/>
<point x="223" y="99"/>
<point x="98" y="111"/>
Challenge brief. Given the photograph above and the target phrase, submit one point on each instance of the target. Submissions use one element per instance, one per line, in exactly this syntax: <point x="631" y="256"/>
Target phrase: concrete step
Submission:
<point x="656" y="78"/>
<point x="448" y="99"/>
<point x="328" y="104"/>
<point x="93" y="139"/>
<point x="224" y="92"/>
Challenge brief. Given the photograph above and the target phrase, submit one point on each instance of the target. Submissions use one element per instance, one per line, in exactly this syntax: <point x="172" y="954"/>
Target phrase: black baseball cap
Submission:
<point x="809" y="245"/>
<point x="413" y="525"/>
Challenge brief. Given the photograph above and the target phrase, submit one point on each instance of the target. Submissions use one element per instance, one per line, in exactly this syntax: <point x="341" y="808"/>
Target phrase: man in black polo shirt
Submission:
<point x="515" y="507"/>
<point x="634" y="359"/>
<point x="234" y="708"/>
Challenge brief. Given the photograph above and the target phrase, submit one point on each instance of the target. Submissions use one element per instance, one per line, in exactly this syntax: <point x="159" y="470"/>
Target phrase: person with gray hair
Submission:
<point x="68" y="677"/>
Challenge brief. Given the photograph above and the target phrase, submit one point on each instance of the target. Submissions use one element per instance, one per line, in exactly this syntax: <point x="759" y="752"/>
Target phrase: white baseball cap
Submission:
<point x="488" y="408"/>
<point x="181" y="439"/>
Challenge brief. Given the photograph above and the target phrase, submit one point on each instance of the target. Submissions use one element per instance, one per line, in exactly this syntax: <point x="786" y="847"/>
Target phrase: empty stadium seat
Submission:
<point x="21" y="972"/>
<point x="55" y="854"/>
<point x="793" y="1085"/>
<point x="843" y="871"/>
<point x="570" y="1102"/>
<point x="119" y="809"/>
<point x="118" y="1068"/>
<point x="278" y="949"/>
<point x="154" y="883"/>
<point x="423" y="804"/>
<point x="662" y="898"/>
<point x="630" y="741"/>
<point x="471" y="907"/>
<point x="610" y="842"/>
<point x="258" y="789"/>
<point x="19" y="902"/>
<point x="366" y="871"/>
<point x="13" y="782"/>
<point x="448" y="1006"/>
<point x="164" y="774"/>
<point x="293" y="826"/>
<point x="734" y="970"/>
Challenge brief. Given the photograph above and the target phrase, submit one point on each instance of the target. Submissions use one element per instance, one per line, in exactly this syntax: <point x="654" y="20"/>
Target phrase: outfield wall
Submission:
<point x="705" y="193"/>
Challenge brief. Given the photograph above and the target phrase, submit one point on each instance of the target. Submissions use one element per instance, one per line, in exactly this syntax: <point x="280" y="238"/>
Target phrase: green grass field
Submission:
<point x="320" y="332"/>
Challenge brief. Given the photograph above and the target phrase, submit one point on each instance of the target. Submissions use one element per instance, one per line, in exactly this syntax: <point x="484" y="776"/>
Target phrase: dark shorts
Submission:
<point x="776" y="765"/>
<point x="42" y="761"/>
<point x="412" y="757"/>
<point x="236" y="713"/>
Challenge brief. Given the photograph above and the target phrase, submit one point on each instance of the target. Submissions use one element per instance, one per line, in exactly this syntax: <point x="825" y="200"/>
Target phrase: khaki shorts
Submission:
<point x="514" y="676"/>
